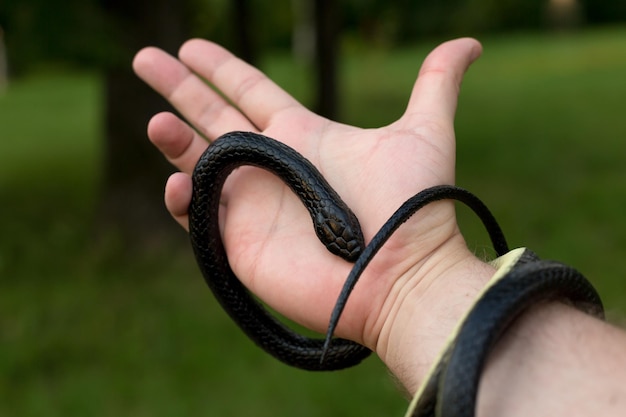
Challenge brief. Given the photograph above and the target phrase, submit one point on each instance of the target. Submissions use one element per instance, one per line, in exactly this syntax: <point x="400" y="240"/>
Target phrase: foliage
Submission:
<point x="38" y="30"/>
<point x="80" y="32"/>
<point x="604" y="11"/>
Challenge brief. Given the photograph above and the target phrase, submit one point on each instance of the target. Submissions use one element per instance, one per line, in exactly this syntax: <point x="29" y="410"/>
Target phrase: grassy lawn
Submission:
<point x="88" y="330"/>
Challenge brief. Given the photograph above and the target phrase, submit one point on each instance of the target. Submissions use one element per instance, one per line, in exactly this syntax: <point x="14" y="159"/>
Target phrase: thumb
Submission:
<point x="438" y="84"/>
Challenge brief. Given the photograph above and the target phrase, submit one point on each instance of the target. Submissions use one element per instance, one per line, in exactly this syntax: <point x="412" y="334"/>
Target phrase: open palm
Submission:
<point x="267" y="232"/>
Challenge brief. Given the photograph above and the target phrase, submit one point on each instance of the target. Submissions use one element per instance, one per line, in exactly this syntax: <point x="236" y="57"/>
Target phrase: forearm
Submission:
<point x="556" y="360"/>
<point x="553" y="360"/>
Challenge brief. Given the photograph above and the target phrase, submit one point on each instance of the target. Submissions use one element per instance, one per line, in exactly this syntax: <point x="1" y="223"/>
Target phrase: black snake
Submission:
<point x="450" y="389"/>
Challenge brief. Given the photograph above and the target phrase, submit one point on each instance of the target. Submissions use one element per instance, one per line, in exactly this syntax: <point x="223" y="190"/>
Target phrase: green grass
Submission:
<point x="86" y="329"/>
<point x="541" y="137"/>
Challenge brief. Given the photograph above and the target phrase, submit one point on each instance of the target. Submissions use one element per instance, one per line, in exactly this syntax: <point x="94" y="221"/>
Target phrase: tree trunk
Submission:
<point x="326" y="52"/>
<point x="4" y="67"/>
<point x="134" y="171"/>
<point x="243" y="30"/>
<point x="303" y="32"/>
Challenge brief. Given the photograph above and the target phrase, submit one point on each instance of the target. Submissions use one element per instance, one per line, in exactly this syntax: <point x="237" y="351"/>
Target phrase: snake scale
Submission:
<point x="451" y="387"/>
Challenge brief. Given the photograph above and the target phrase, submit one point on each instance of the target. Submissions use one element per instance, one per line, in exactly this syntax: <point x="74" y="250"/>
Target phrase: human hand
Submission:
<point x="267" y="233"/>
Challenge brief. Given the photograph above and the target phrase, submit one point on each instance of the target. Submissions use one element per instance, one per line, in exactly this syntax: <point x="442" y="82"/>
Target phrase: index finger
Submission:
<point x="205" y="109"/>
<point x="259" y="98"/>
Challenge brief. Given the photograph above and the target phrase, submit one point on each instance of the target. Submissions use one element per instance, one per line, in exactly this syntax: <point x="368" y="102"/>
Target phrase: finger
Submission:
<point x="247" y="87"/>
<point x="210" y="113"/>
<point x="176" y="140"/>
<point x="178" y="196"/>
<point x="439" y="81"/>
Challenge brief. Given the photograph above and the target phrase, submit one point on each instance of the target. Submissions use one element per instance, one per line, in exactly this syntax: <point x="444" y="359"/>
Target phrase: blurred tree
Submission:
<point x="326" y="52"/>
<point x="604" y="11"/>
<point x="244" y="25"/>
<point x="134" y="172"/>
<point x="78" y="35"/>
<point x="303" y="32"/>
<point x="3" y="63"/>
<point x="564" y="14"/>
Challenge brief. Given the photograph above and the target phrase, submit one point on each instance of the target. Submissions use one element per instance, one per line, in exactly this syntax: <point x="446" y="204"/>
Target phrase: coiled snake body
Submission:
<point x="335" y="224"/>
<point x="450" y="389"/>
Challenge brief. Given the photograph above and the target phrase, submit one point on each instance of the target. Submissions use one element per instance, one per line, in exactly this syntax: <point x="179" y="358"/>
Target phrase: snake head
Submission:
<point x="339" y="230"/>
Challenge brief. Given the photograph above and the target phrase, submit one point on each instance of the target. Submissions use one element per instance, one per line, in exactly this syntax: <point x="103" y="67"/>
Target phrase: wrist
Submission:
<point x="431" y="302"/>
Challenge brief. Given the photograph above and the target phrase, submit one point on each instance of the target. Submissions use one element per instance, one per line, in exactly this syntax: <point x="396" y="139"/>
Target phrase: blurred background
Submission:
<point x="102" y="309"/>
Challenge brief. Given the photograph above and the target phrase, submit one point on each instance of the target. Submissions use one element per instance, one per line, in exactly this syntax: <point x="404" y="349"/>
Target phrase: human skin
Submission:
<point x="423" y="280"/>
